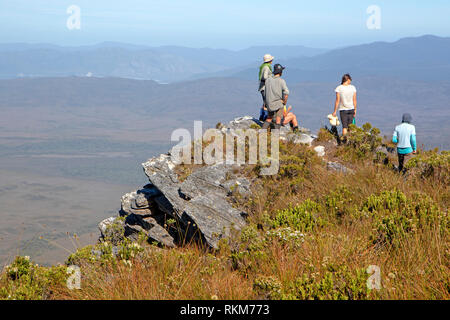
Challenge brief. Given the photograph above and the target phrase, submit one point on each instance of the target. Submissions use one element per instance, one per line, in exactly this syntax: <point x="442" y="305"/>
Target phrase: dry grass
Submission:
<point x="185" y="273"/>
<point x="253" y="265"/>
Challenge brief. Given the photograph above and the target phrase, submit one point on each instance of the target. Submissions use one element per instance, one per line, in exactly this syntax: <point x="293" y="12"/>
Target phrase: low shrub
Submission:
<point x="396" y="216"/>
<point x="336" y="282"/>
<point x="304" y="217"/>
<point x="431" y="164"/>
<point x="115" y="232"/>
<point x="340" y="202"/>
<point x="361" y="142"/>
<point x="324" y="135"/>
<point x="24" y="280"/>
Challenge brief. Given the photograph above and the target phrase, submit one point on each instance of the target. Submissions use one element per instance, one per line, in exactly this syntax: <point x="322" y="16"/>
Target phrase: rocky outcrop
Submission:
<point x="171" y="212"/>
<point x="199" y="204"/>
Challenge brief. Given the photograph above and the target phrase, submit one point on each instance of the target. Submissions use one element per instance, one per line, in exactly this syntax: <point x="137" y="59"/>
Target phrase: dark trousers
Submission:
<point x="401" y="161"/>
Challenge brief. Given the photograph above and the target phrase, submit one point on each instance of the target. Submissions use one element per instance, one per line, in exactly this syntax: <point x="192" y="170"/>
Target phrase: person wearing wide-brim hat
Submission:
<point x="265" y="71"/>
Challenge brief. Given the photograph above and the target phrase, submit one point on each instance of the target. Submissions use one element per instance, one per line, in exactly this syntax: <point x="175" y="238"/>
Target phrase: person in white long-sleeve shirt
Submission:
<point x="405" y="138"/>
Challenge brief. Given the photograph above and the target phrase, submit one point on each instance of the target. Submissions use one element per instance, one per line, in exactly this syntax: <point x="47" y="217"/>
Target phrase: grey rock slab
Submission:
<point x="155" y="234"/>
<point x="103" y="225"/>
<point x="242" y="123"/>
<point x="336" y="166"/>
<point x="300" y="138"/>
<point x="139" y="202"/>
<point x="200" y="201"/>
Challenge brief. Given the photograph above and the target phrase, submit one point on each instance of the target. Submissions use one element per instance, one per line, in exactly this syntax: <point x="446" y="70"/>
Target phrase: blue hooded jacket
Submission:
<point x="405" y="136"/>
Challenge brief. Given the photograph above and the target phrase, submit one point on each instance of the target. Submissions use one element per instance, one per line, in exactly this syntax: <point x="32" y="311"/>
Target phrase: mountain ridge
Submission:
<point x="413" y="58"/>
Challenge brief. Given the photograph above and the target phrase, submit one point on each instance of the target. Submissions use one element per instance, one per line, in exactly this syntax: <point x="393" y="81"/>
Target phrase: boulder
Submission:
<point x="139" y="202"/>
<point x="199" y="203"/>
<point x="103" y="225"/>
<point x="299" y="138"/>
<point x="153" y="231"/>
<point x="242" y="123"/>
<point x="112" y="229"/>
<point x="336" y="166"/>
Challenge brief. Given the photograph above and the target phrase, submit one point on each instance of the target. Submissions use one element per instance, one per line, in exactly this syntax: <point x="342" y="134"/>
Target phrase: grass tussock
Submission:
<point x="312" y="234"/>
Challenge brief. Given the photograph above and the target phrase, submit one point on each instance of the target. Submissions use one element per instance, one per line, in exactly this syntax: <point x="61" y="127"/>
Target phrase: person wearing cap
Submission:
<point x="265" y="71"/>
<point x="405" y="138"/>
<point x="277" y="94"/>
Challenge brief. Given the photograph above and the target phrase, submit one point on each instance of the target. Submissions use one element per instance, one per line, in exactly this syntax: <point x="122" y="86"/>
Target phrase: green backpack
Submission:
<point x="262" y="67"/>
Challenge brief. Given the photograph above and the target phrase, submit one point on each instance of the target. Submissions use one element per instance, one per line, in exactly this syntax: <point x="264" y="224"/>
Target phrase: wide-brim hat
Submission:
<point x="268" y="58"/>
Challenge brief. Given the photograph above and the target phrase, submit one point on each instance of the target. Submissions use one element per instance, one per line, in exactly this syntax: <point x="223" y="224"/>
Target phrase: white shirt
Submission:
<point x="346" y="93"/>
<point x="403" y="134"/>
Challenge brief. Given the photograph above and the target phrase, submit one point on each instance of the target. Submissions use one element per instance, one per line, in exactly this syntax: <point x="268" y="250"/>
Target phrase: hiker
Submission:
<point x="277" y="94"/>
<point x="289" y="118"/>
<point x="346" y="102"/>
<point x="265" y="71"/>
<point x="405" y="138"/>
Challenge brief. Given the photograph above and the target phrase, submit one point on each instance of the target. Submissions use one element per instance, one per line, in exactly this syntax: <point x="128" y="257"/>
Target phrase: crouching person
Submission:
<point x="405" y="138"/>
<point x="289" y="118"/>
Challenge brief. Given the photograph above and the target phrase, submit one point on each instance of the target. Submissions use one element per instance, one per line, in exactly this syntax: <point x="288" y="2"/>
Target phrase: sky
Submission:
<point x="231" y="24"/>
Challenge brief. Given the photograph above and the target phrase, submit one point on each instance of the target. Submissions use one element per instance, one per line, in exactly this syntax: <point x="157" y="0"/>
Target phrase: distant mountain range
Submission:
<point x="109" y="59"/>
<point x="423" y="58"/>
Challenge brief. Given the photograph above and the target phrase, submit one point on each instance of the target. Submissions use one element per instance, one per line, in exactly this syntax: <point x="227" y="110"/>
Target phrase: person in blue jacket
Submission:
<point x="405" y="138"/>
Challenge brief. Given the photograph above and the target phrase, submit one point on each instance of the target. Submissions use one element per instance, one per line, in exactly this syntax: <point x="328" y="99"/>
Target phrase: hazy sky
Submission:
<point x="220" y="23"/>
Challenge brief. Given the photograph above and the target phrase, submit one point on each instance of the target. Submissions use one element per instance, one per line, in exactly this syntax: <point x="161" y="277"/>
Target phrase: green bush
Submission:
<point x="250" y="251"/>
<point x="387" y="201"/>
<point x="304" y="217"/>
<point x="23" y="280"/>
<point x="341" y="202"/>
<point x="115" y="232"/>
<point x="286" y="236"/>
<point x="324" y="135"/>
<point x="362" y="142"/>
<point x="106" y="253"/>
<point x="397" y="216"/>
<point x="81" y="256"/>
<point x="336" y="283"/>
<point x="268" y="287"/>
<point x="432" y="164"/>
<point x="296" y="164"/>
